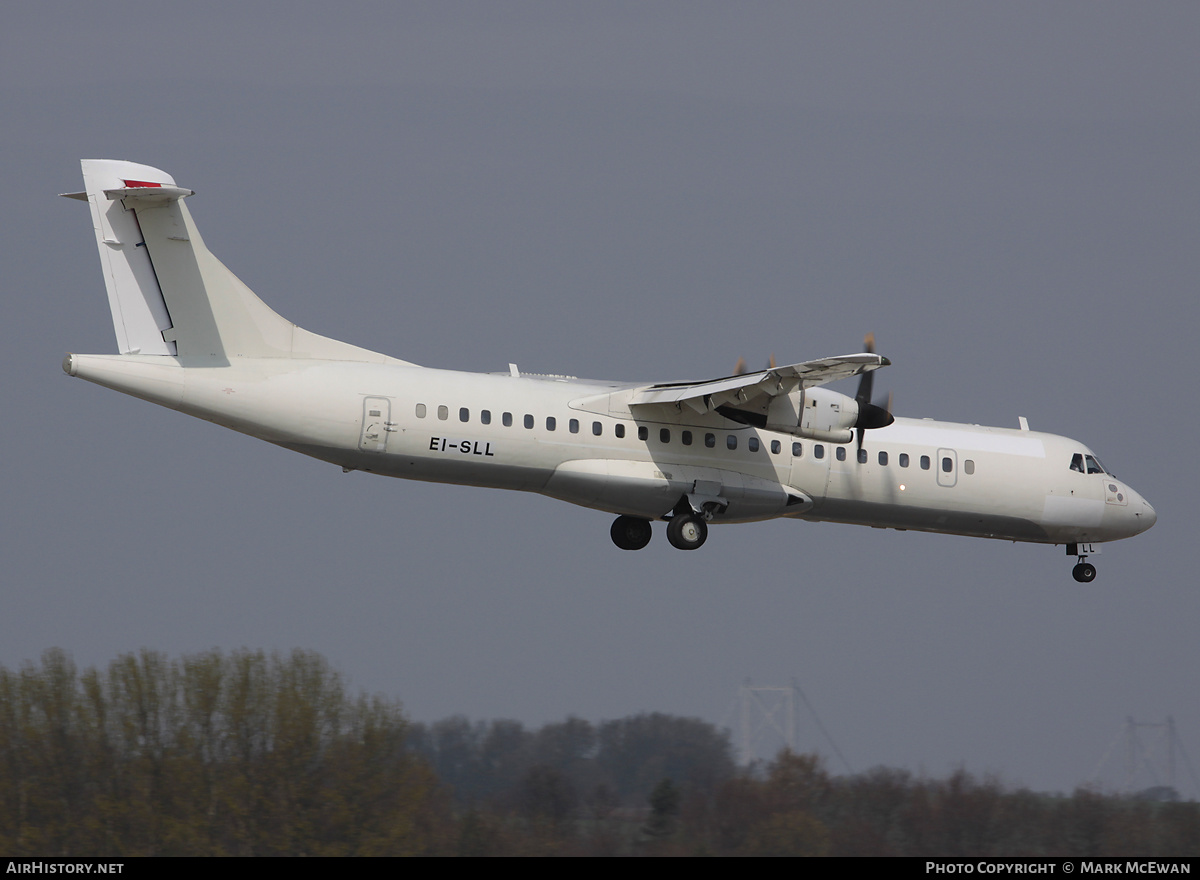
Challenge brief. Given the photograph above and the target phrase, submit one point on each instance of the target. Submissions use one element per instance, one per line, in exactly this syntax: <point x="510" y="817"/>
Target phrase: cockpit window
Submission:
<point x="1094" y="466"/>
<point x="1077" y="462"/>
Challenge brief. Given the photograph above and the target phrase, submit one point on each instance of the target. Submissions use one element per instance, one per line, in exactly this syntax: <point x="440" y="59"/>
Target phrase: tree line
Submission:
<point x="211" y="754"/>
<point x="248" y="753"/>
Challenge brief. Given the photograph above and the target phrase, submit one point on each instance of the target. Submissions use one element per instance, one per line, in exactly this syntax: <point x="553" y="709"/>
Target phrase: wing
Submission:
<point x="753" y="389"/>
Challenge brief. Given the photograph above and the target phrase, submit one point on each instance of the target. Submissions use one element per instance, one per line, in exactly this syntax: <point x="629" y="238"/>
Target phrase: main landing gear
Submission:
<point x="1084" y="571"/>
<point x="630" y="532"/>
<point x="684" y="531"/>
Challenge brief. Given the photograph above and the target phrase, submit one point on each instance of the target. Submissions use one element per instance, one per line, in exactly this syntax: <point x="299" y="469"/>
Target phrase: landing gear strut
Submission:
<point x="631" y="533"/>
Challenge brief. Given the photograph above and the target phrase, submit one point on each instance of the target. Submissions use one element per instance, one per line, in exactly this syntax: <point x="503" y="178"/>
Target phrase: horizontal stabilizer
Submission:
<point x="146" y="194"/>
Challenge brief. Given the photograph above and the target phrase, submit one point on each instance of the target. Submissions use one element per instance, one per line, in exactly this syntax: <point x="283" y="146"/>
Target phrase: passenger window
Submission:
<point x="968" y="466"/>
<point x="818" y="450"/>
<point x="643" y="432"/>
<point x="420" y="410"/>
<point x="443" y="412"/>
<point x="686" y="438"/>
<point x="664" y="435"/>
<point x="924" y="462"/>
<point x="841" y="453"/>
<point x="947" y="465"/>
<point x="507" y="419"/>
<point x="710" y="440"/>
<point x="883" y="459"/>
<point x="528" y="420"/>
<point x="903" y="459"/>
<point x="464" y="414"/>
<point x="797" y="449"/>
<point x="619" y="430"/>
<point x="551" y="423"/>
<point x="597" y="428"/>
<point x="731" y="441"/>
<point x="485" y="416"/>
<point x="776" y="447"/>
<point x="752" y="444"/>
<point x="573" y="426"/>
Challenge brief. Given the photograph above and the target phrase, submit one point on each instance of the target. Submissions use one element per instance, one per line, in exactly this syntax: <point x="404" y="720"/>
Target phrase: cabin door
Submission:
<point x="376" y="424"/>
<point x="810" y="466"/>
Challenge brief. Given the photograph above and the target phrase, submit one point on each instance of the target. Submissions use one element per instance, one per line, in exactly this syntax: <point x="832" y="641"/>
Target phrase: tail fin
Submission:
<point x="168" y="294"/>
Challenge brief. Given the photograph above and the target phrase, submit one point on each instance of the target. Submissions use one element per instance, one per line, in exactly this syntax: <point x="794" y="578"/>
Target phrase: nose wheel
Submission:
<point x="1084" y="572"/>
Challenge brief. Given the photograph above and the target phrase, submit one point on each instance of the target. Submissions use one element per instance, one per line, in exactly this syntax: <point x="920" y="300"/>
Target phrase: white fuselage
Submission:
<point x="740" y="448"/>
<point x="580" y="441"/>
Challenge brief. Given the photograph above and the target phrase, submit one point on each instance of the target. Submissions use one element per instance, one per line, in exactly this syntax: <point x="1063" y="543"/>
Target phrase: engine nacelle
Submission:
<point x="817" y="414"/>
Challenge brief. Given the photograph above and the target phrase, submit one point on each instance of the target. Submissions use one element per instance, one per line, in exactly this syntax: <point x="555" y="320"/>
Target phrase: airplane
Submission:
<point x="748" y="447"/>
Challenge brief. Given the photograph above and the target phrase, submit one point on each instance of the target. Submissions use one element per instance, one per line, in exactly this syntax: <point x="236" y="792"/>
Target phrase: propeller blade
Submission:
<point x="867" y="383"/>
<point x="739" y="369"/>
<point x="870" y="415"/>
<point x="865" y="386"/>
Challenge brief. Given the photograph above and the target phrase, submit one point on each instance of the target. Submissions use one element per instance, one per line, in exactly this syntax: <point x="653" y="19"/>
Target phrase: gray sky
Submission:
<point x="1007" y="194"/>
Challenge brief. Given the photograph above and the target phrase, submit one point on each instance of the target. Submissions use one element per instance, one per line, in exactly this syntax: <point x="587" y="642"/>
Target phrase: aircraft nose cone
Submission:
<point x="1146" y="516"/>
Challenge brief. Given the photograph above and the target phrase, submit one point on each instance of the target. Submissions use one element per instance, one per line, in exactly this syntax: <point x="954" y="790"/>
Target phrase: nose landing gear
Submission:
<point x="1084" y="571"/>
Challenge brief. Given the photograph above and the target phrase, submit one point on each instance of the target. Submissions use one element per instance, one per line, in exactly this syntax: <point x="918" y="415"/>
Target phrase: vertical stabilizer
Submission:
<point x="138" y="310"/>
<point x="168" y="294"/>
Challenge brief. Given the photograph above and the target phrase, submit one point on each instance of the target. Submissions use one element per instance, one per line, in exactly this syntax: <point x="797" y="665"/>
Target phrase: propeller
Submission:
<point x="739" y="369"/>
<point x="870" y="415"/>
